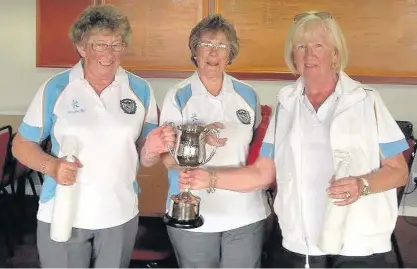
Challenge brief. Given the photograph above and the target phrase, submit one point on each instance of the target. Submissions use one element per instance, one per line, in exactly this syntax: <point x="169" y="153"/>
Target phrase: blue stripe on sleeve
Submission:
<point x="267" y="150"/>
<point x="136" y="187"/>
<point x="393" y="148"/>
<point x="140" y="88"/>
<point x="30" y="133"/>
<point x="48" y="189"/>
<point x="247" y="93"/>
<point x="182" y="96"/>
<point x="147" y="128"/>
<point x="53" y="90"/>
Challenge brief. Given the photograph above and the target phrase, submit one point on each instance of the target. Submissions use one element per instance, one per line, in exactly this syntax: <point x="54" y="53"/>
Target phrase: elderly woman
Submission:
<point x="232" y="233"/>
<point x="323" y="122"/>
<point x="107" y="110"/>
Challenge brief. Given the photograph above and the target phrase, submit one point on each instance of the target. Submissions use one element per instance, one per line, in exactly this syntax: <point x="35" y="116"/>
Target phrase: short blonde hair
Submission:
<point x="303" y="25"/>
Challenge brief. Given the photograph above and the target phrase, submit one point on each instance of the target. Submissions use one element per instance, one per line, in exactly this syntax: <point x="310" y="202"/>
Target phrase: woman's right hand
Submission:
<point x="65" y="172"/>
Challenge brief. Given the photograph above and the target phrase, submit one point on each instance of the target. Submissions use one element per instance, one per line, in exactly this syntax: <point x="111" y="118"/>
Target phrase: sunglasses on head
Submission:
<point x="322" y="15"/>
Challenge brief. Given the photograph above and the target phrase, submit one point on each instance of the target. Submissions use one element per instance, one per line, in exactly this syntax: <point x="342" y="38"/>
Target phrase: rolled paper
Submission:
<point x="332" y="233"/>
<point x="65" y="202"/>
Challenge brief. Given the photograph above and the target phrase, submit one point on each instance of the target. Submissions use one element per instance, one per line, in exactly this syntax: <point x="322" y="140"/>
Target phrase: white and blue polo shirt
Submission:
<point x="237" y="107"/>
<point x="107" y="128"/>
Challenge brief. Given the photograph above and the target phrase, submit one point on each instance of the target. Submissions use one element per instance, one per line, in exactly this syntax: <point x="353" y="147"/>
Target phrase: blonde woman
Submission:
<point x="324" y="112"/>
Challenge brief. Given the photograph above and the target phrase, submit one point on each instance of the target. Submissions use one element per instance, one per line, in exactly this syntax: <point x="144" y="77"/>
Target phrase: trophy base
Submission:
<point x="185" y="224"/>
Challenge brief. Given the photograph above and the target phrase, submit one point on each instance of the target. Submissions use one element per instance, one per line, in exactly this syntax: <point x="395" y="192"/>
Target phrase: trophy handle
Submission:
<point x="172" y="151"/>
<point x="207" y="132"/>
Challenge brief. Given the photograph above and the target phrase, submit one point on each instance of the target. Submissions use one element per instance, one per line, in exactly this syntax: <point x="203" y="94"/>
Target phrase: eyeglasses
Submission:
<point x="322" y="15"/>
<point x="100" y="47"/>
<point x="213" y="45"/>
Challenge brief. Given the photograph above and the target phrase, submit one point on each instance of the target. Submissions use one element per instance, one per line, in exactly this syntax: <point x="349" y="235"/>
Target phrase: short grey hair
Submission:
<point x="100" y="18"/>
<point x="214" y="23"/>
<point x="303" y="26"/>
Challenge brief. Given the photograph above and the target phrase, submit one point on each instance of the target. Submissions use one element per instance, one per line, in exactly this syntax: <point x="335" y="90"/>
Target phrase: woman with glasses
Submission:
<point x="336" y="155"/>
<point x="234" y="222"/>
<point x="107" y="113"/>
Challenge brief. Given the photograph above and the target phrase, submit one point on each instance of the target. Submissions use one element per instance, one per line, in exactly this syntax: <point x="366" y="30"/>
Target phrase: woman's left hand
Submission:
<point x="194" y="179"/>
<point x="212" y="139"/>
<point x="346" y="190"/>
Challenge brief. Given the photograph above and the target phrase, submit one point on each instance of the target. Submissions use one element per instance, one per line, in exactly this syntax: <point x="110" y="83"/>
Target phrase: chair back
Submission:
<point x="409" y="154"/>
<point x="46" y="145"/>
<point x="407" y="129"/>
<point x="5" y="145"/>
<point x="259" y="134"/>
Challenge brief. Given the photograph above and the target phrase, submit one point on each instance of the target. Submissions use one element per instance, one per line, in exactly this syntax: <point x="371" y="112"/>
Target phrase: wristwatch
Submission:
<point x="366" y="190"/>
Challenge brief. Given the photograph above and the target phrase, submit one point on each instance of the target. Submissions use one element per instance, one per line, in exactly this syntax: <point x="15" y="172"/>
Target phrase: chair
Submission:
<point x="6" y="179"/>
<point x="259" y="134"/>
<point x="23" y="173"/>
<point x="6" y="162"/>
<point x="409" y="155"/>
<point x="46" y="146"/>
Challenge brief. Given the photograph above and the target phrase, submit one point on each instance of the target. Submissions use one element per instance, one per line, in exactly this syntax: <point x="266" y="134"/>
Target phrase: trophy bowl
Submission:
<point x="184" y="208"/>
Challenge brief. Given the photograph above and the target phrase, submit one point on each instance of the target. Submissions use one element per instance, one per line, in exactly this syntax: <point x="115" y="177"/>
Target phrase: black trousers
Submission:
<point x="287" y="259"/>
<point x="276" y="256"/>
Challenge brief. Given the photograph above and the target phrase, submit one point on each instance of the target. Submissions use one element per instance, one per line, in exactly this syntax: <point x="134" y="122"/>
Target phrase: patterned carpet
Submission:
<point x="26" y="256"/>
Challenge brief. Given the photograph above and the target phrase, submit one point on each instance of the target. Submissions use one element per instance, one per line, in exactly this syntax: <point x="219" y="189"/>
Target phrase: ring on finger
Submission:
<point x="348" y="195"/>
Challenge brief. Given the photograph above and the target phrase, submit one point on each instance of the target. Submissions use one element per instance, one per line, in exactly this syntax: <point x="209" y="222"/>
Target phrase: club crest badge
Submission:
<point x="128" y="106"/>
<point x="243" y="115"/>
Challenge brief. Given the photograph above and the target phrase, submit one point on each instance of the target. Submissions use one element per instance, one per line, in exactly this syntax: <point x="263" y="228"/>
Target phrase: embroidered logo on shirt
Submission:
<point x="243" y="115"/>
<point x="75" y="104"/>
<point x="194" y="117"/>
<point x="75" y="108"/>
<point x="128" y="106"/>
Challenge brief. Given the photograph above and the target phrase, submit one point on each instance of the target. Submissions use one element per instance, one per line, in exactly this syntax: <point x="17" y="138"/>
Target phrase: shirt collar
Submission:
<point x="77" y="73"/>
<point x="198" y="88"/>
<point x="345" y="85"/>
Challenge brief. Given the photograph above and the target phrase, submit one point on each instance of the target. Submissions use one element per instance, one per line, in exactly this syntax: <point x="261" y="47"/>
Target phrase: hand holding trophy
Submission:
<point x="189" y="152"/>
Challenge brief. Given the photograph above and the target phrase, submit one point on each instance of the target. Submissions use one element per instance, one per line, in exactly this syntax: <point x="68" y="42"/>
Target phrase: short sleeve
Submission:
<point x="143" y="91"/>
<point x="390" y="137"/>
<point x="171" y="111"/>
<point x="151" y="116"/>
<point x="38" y="120"/>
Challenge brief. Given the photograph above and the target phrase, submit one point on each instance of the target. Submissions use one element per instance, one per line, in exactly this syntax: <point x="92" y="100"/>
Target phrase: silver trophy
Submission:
<point x="189" y="152"/>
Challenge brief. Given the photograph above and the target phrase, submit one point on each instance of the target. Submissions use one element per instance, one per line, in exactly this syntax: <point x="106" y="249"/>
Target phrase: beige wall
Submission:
<point x="20" y="78"/>
<point x="12" y="120"/>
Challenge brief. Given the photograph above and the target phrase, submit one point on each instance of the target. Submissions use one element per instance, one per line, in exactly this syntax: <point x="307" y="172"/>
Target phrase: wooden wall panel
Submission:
<point x="381" y="36"/>
<point x="160" y="33"/>
<point x="153" y="183"/>
<point x="53" y="21"/>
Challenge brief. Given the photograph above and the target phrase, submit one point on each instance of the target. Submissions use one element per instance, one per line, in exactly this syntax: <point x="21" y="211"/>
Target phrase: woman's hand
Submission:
<point x="65" y="172"/>
<point x="212" y="139"/>
<point x="159" y="139"/>
<point x="347" y="190"/>
<point x="194" y="179"/>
